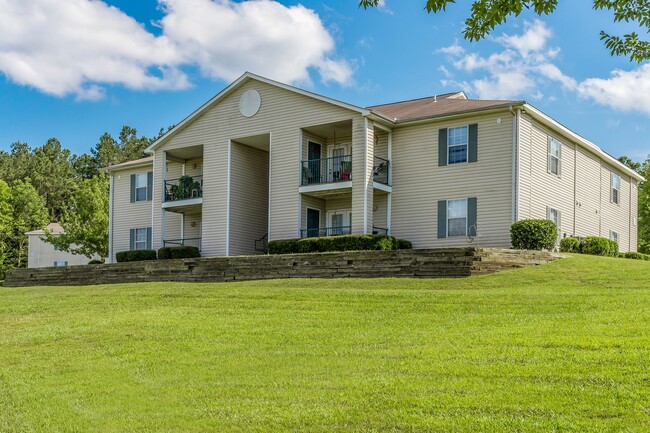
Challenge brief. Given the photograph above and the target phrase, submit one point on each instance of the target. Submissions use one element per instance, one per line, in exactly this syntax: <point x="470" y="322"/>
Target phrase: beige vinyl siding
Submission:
<point x="362" y="163"/>
<point x="615" y="217"/>
<point x="587" y="193"/>
<point x="42" y="254"/>
<point x="192" y="232"/>
<point x="381" y="144"/>
<point x="249" y="198"/>
<point x="379" y="216"/>
<point x="127" y="215"/>
<point x="541" y="189"/>
<point x="282" y="114"/>
<point x="581" y="192"/>
<point x="418" y="182"/>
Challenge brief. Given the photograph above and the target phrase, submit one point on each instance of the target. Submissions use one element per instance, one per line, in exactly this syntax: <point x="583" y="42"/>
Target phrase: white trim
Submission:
<point x="110" y="219"/>
<point x="268" y="228"/>
<point x="382" y="187"/>
<point x="515" y="160"/>
<point x="325" y="186"/>
<point x="365" y="179"/>
<point x="179" y="203"/>
<point x="162" y="200"/>
<point x="611" y="188"/>
<point x="549" y="156"/>
<point x="228" y="199"/>
<point x="548" y="121"/>
<point x="183" y="225"/>
<point x="233" y="86"/>
<point x="347" y="217"/>
<point x="153" y="200"/>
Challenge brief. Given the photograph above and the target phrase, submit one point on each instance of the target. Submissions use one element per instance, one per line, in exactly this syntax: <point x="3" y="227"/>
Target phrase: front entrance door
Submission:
<point x="313" y="223"/>
<point x="313" y="165"/>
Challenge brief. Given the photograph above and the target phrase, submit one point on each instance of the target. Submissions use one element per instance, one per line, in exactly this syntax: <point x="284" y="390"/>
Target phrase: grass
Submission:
<point x="563" y="347"/>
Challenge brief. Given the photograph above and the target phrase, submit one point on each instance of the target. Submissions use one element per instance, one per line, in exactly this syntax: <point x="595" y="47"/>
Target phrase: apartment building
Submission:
<point x="263" y="160"/>
<point x="43" y="254"/>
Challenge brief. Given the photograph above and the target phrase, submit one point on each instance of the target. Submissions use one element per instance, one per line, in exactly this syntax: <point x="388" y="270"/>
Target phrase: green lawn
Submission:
<point x="561" y="347"/>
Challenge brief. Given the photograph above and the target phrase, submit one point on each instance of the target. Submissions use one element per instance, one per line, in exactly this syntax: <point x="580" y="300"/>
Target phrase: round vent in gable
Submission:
<point x="250" y="102"/>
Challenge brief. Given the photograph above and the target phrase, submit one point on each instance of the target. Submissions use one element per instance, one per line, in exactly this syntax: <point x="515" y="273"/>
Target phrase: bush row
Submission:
<point x="593" y="245"/>
<point x="337" y="243"/>
<point x="635" y="256"/>
<point x="180" y="252"/>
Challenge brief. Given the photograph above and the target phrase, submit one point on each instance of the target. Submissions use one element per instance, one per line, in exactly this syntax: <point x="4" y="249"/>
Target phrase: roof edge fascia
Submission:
<point x="549" y="121"/>
<point x="234" y="85"/>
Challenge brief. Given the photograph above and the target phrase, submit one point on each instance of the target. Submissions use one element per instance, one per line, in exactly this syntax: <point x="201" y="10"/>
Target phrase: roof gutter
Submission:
<point x="119" y="167"/>
<point x="459" y="114"/>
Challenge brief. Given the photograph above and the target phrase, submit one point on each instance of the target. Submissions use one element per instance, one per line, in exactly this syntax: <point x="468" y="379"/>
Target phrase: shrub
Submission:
<point x="635" y="256"/>
<point x="285" y="246"/>
<point x="403" y="244"/>
<point x="533" y="234"/>
<point x="334" y="243"/>
<point x="570" y="245"/>
<point x="598" y="246"/>
<point x="179" y="252"/>
<point x="135" y="255"/>
<point x="96" y="262"/>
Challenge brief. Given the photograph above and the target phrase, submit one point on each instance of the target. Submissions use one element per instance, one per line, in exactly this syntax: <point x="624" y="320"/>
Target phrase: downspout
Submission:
<point x="515" y="162"/>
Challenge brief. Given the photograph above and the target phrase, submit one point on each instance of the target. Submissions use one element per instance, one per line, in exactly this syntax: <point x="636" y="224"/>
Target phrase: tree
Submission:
<point x="86" y="221"/>
<point x="29" y="213"/>
<point x="636" y="166"/>
<point x="53" y="176"/>
<point x="6" y="220"/>
<point x="487" y="14"/>
<point x="644" y="202"/>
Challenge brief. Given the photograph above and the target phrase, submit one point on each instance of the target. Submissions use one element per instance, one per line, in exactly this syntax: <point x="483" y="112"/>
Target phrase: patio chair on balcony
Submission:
<point x="346" y="169"/>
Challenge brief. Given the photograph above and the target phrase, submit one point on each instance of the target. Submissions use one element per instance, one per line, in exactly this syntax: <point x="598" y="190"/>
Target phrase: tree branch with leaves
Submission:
<point x="488" y="14"/>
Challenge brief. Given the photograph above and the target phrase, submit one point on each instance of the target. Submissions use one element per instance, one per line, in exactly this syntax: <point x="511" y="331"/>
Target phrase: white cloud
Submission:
<point x="517" y="70"/>
<point x="80" y="46"/>
<point x="534" y="38"/>
<point x="624" y="90"/>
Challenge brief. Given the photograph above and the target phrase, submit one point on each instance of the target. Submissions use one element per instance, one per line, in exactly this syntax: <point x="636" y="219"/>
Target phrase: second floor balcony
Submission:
<point x="326" y="170"/>
<point x="183" y="188"/>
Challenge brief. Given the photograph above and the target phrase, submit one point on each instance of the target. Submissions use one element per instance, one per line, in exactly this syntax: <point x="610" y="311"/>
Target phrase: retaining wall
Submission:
<point x="432" y="263"/>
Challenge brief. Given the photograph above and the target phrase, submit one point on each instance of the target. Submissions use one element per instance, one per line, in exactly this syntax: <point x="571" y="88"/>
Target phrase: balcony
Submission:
<point x="186" y="242"/>
<point x="326" y="170"/>
<point x="184" y="188"/>
<point x="325" y="231"/>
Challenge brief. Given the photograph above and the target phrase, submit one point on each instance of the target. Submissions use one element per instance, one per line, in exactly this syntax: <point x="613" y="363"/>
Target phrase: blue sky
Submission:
<point x="76" y="69"/>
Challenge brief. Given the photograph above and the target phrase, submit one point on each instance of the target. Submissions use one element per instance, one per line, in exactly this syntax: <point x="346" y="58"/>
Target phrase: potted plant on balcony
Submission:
<point x="186" y="187"/>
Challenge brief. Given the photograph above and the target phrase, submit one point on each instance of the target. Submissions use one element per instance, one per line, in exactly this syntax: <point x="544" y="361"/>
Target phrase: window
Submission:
<point x="140" y="239"/>
<point x="457" y="145"/>
<point x="60" y="264"/>
<point x="457" y="217"/>
<point x="141" y="187"/>
<point x="554" y="216"/>
<point x="616" y="183"/>
<point x="554" y="152"/>
<point x="613" y="236"/>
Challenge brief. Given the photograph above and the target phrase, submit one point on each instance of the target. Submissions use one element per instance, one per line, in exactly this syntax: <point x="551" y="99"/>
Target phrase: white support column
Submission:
<point x="390" y="160"/>
<point x="389" y="212"/>
<point x="110" y="220"/>
<point x="299" y="183"/>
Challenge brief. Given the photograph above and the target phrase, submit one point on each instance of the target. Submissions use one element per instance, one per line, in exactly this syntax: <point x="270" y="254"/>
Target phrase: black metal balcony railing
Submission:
<point x="325" y="231"/>
<point x="325" y="170"/>
<point x="183" y="188"/>
<point x="186" y="242"/>
<point x="379" y="230"/>
<point x="381" y="171"/>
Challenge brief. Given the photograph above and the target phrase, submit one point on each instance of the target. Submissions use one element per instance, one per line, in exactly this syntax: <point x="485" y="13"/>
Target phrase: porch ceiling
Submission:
<point x="190" y="152"/>
<point x="329" y="130"/>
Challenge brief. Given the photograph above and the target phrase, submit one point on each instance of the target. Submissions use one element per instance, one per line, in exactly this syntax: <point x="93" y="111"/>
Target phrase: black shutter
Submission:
<point x="442" y="219"/>
<point x="471" y="216"/>
<point x="149" y="185"/>
<point x="442" y="147"/>
<point x="149" y="238"/>
<point x="132" y="239"/>
<point x="473" y="143"/>
<point x="133" y="188"/>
